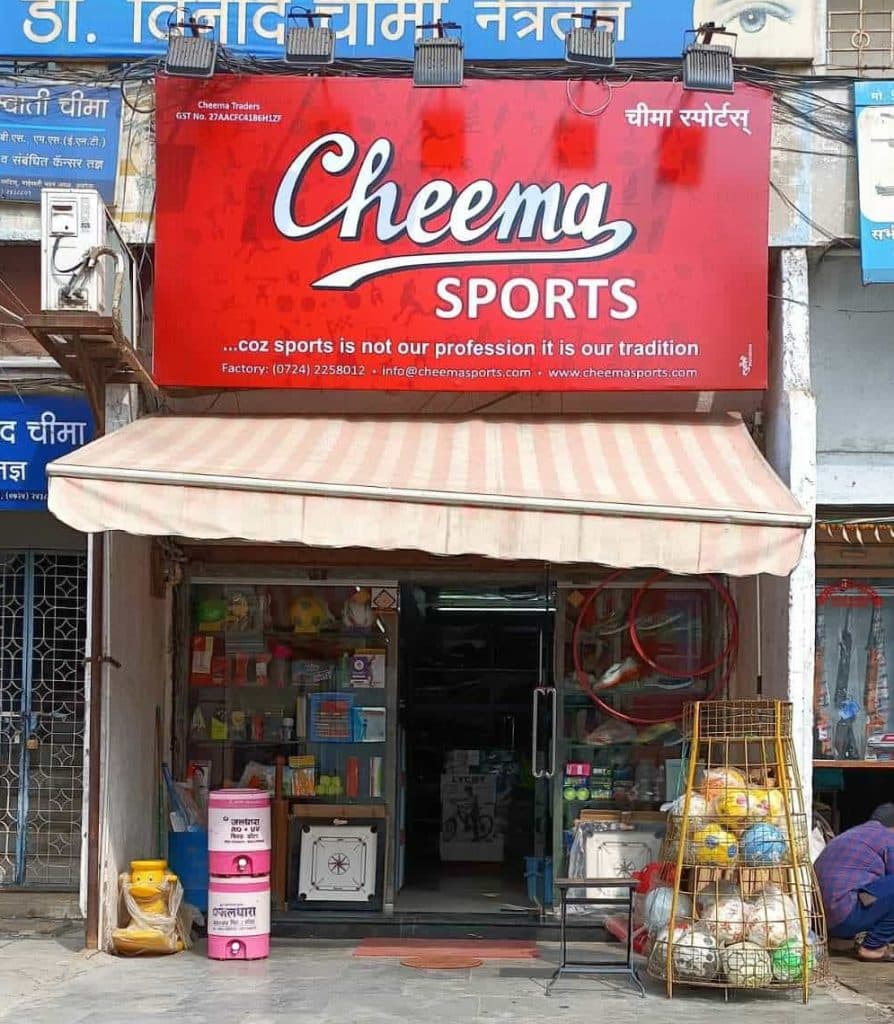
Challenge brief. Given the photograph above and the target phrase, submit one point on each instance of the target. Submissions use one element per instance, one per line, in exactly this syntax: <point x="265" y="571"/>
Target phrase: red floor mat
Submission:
<point x="484" y="949"/>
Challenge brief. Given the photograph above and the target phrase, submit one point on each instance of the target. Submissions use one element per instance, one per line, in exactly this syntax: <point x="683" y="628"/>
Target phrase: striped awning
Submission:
<point x="688" y="494"/>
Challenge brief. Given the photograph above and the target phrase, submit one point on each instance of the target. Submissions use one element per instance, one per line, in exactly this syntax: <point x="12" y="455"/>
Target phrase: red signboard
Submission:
<point x="506" y="236"/>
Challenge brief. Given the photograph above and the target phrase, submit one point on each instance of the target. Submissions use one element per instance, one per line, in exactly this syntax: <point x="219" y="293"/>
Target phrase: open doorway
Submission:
<point x="473" y="812"/>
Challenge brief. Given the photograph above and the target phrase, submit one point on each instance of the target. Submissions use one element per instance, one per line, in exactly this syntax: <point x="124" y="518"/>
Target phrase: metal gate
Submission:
<point x="43" y="622"/>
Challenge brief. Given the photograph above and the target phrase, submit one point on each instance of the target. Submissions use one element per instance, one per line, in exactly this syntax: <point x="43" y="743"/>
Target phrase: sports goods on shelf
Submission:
<point x="739" y="907"/>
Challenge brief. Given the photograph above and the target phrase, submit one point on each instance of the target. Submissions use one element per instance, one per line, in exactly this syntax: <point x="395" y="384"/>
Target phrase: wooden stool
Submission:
<point x="625" y="888"/>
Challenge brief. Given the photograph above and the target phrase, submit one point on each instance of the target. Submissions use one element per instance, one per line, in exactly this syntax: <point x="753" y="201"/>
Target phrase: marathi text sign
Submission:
<point x="33" y="432"/>
<point x="370" y="235"/>
<point x="53" y="136"/>
<point x="492" y="29"/>
<point x="874" y="107"/>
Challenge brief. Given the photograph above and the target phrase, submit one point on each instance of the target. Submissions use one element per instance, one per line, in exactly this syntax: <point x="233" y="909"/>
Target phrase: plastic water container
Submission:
<point x="539" y="876"/>
<point x="188" y="858"/>
<point x="238" y="918"/>
<point x="239" y="832"/>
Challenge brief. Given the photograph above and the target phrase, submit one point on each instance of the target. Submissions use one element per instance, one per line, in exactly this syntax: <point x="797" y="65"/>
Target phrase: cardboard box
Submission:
<point x="470" y="830"/>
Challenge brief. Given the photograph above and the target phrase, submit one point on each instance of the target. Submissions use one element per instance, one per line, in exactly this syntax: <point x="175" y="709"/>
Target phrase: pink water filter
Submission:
<point x="238" y="918"/>
<point x="239" y="832"/>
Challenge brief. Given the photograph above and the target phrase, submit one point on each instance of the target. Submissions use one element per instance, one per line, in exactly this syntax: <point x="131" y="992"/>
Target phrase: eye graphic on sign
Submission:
<point x="764" y="26"/>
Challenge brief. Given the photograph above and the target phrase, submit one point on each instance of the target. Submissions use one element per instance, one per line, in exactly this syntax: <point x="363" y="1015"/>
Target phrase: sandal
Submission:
<point x="887" y="956"/>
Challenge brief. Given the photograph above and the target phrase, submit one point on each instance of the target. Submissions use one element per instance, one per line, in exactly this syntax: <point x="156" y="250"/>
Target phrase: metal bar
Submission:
<point x="215" y="481"/>
<point x="25" y="720"/>
<point x="94" y="777"/>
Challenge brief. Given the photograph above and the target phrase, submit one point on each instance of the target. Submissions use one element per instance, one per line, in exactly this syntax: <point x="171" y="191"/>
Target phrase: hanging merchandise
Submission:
<point x="650" y="664"/>
<point x="744" y="906"/>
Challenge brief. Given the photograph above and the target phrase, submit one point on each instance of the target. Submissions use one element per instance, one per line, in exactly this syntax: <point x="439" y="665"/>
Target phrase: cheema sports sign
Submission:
<point x="370" y="235"/>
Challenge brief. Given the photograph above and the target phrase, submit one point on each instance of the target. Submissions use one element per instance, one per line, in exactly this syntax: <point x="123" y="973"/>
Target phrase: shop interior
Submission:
<point x="471" y="659"/>
<point x="433" y="748"/>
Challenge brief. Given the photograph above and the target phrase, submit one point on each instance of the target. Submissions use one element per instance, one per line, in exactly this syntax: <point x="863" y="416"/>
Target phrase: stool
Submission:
<point x="625" y="888"/>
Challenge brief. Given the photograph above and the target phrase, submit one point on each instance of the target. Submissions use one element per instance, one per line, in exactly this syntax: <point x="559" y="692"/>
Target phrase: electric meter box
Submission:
<point x="73" y="221"/>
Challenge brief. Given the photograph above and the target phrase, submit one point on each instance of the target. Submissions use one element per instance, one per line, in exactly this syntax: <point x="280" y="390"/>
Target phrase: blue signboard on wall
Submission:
<point x="52" y="135"/>
<point x="492" y="29"/>
<point x="874" y="108"/>
<point x="34" y="431"/>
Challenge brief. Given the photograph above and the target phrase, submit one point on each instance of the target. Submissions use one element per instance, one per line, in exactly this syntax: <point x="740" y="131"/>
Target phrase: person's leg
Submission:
<point x="876" y="917"/>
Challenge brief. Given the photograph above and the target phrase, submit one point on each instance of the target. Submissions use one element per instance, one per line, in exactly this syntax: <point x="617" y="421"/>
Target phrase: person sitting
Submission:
<point x="856" y="878"/>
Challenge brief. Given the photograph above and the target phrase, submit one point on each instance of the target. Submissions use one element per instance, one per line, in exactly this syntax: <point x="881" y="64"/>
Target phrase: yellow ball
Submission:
<point x="715" y="846"/>
<point x="775" y="806"/>
<point x="732" y="806"/>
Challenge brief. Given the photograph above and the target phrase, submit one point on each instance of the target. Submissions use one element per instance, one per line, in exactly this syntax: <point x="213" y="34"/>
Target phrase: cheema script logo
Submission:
<point x="527" y="213"/>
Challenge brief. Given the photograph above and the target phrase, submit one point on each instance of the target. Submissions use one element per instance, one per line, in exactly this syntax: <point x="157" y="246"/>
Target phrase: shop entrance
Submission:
<point x="475" y="809"/>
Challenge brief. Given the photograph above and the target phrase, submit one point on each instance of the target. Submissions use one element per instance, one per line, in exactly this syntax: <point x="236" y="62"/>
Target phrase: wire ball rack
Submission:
<point x="739" y="907"/>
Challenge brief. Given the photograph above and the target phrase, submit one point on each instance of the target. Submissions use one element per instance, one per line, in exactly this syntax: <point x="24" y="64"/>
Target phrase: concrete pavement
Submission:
<point x="52" y="981"/>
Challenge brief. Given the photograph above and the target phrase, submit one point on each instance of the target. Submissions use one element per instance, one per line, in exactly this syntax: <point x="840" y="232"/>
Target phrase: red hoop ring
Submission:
<point x="730" y="649"/>
<point x="723" y="592"/>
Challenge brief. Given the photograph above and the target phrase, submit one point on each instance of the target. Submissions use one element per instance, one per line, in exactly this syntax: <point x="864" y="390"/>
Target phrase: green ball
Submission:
<point x="788" y="960"/>
<point x="569" y="793"/>
<point x="582" y="794"/>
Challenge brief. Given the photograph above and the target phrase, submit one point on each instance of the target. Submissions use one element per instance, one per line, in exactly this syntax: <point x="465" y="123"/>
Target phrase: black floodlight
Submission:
<point x="708" y="66"/>
<point x="311" y="44"/>
<point x="192" y="49"/>
<point x="438" y="58"/>
<point x="593" y="43"/>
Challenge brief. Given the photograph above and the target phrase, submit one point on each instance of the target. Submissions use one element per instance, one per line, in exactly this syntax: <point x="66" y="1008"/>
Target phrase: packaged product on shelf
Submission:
<point x="301" y="717"/>
<point x="279" y="665"/>
<point x="273" y="724"/>
<point x="304" y="775"/>
<point x="219" y="724"/>
<point x="198" y="727"/>
<point x="375" y="777"/>
<point x="202" y="655"/>
<point x="352" y="777"/>
<point x="238" y="729"/>
<point x="368" y="669"/>
<point x="369" y="725"/>
<point x="262" y="667"/>
<point x="256" y="727"/>
<point x="199" y="775"/>
<point x="240" y="669"/>
<point x="219" y="671"/>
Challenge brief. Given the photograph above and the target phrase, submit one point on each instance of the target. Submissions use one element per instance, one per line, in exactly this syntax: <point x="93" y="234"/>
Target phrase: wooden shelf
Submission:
<point x="885" y="766"/>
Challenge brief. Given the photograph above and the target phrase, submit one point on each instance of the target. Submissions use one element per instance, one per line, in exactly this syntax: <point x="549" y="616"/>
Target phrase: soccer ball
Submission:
<point x="308" y="614"/>
<point x="715" y="891"/>
<point x="773" y="920"/>
<point x="696" y="956"/>
<point x="726" y="919"/>
<point x="746" y="965"/>
<point x="713" y="845"/>
<point x="788" y="960"/>
<point x="764" y="845"/>
<point x="657" y="907"/>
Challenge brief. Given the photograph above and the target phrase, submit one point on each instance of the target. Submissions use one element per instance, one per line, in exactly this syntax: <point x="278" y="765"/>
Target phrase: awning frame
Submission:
<point x="210" y="481"/>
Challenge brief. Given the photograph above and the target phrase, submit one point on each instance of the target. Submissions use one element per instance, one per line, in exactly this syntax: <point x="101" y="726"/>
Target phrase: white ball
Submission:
<point x="696" y="956"/>
<point x="715" y="891"/>
<point x="746" y="965"/>
<point x="773" y="920"/>
<point x="698" y="810"/>
<point x="657" y="907"/>
<point x="726" y="919"/>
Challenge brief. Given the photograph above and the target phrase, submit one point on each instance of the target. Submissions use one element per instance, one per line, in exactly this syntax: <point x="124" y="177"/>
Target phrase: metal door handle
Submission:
<point x="538" y="773"/>
<point x="554" y="698"/>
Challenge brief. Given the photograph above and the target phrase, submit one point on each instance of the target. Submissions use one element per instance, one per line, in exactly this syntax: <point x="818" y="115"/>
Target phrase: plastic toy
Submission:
<point x="308" y="614"/>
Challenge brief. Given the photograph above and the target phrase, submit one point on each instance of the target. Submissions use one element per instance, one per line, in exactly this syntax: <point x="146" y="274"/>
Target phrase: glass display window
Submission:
<point x="300" y="671"/>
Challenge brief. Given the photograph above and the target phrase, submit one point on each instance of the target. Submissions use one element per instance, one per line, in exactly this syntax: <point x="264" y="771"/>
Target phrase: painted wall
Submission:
<point x="137" y="631"/>
<point x="788" y="605"/>
<point x="852" y="365"/>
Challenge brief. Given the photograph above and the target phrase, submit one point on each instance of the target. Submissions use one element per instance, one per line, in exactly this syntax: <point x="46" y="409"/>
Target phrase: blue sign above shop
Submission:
<point x="492" y="29"/>
<point x="874" y="108"/>
<point x="52" y="135"/>
<point x="33" y="432"/>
